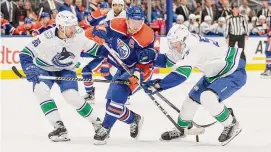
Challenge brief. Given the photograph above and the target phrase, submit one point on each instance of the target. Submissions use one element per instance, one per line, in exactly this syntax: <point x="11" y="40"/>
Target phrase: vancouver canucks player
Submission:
<point x="224" y="74"/>
<point x="56" y="52"/>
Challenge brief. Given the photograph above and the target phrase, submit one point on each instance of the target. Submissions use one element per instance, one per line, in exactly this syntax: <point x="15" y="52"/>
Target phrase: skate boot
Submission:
<point x="136" y="125"/>
<point x="59" y="133"/>
<point x="90" y="96"/>
<point x="101" y="136"/>
<point x="172" y="135"/>
<point x="97" y="125"/>
<point x="230" y="132"/>
<point x="266" y="74"/>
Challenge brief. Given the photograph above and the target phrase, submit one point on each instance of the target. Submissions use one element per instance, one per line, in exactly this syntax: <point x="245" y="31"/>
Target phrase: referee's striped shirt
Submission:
<point x="236" y="25"/>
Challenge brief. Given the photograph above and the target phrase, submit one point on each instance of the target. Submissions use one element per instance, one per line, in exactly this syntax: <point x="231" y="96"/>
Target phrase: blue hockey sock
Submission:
<point x="268" y="59"/>
<point x="88" y="86"/>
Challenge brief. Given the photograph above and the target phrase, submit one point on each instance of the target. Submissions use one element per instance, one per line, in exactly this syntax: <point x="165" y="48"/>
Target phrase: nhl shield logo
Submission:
<point x="123" y="49"/>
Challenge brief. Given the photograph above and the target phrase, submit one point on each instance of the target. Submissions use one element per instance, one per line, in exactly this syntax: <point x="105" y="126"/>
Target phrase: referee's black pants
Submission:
<point x="240" y="39"/>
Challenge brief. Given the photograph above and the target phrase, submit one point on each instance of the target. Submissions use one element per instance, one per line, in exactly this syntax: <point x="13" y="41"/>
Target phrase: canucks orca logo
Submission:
<point x="63" y="59"/>
<point x="123" y="49"/>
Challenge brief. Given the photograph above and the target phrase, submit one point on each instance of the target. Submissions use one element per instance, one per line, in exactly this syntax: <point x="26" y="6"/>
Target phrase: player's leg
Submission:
<point x="188" y="110"/>
<point x="49" y="108"/>
<point x="70" y="92"/>
<point x="267" y="72"/>
<point x="217" y="92"/>
<point x="116" y="110"/>
<point x="90" y="68"/>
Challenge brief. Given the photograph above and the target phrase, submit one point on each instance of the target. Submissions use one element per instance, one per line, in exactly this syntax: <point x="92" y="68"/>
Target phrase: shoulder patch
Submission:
<point x="145" y="36"/>
<point x="119" y="25"/>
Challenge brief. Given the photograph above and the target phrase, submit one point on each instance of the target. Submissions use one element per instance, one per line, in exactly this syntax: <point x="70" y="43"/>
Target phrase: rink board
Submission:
<point x="10" y="47"/>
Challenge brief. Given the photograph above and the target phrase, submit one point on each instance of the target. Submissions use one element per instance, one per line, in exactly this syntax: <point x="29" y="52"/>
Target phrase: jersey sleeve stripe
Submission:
<point x="28" y="52"/>
<point x="93" y="51"/>
<point x="184" y="71"/>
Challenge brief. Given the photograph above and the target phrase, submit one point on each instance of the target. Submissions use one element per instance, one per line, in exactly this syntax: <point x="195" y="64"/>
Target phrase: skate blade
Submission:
<point x="99" y="142"/>
<point x="175" y="139"/>
<point x="140" y="126"/>
<point x="236" y="132"/>
<point x="60" y="138"/>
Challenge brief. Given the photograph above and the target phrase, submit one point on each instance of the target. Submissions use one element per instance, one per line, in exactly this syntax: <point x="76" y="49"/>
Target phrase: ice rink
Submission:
<point x="24" y="128"/>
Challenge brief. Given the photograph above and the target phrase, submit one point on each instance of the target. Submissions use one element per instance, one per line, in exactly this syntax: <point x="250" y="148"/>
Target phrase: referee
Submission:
<point x="236" y="29"/>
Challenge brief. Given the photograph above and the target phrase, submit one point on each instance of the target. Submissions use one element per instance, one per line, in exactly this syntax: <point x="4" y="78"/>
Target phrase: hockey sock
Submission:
<point x="268" y="59"/>
<point x="88" y="86"/>
<point x="221" y="113"/>
<point x="188" y="110"/>
<point x="50" y="111"/>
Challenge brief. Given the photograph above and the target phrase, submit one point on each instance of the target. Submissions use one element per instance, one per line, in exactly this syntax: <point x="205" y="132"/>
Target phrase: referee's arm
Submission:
<point x="227" y="30"/>
<point x="245" y="24"/>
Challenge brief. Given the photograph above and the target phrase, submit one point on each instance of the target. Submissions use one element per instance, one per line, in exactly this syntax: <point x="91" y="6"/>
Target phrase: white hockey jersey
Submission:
<point x="205" y="28"/>
<point x="210" y="57"/>
<point x="194" y="28"/>
<point x="218" y="29"/>
<point x="51" y="53"/>
<point x="111" y="15"/>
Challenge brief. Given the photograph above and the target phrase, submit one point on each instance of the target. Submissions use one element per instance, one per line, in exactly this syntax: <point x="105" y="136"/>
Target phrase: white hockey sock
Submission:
<point x="187" y="112"/>
<point x="221" y="113"/>
<point x="48" y="106"/>
<point x="82" y="107"/>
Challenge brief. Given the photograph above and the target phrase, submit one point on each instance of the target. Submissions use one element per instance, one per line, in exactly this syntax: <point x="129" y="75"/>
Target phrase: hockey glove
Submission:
<point x="136" y="79"/>
<point x="152" y="86"/>
<point x="98" y="34"/>
<point x="32" y="73"/>
<point x="146" y="55"/>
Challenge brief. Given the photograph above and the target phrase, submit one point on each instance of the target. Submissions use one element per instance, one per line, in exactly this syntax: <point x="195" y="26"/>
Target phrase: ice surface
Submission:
<point x="25" y="129"/>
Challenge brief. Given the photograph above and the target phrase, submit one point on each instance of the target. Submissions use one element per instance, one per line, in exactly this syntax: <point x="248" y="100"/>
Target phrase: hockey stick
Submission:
<point x="15" y="70"/>
<point x="178" y="110"/>
<point x="195" y="131"/>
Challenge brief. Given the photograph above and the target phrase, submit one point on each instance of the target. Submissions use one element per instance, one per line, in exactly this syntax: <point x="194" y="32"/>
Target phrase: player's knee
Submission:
<point x="42" y="91"/>
<point x="208" y="98"/>
<point x="120" y="93"/>
<point x="73" y="98"/>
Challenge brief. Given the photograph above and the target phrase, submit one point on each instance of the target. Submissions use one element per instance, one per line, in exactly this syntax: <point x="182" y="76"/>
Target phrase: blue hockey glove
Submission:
<point x="146" y="55"/>
<point x="150" y="87"/>
<point x="32" y="73"/>
<point x="99" y="34"/>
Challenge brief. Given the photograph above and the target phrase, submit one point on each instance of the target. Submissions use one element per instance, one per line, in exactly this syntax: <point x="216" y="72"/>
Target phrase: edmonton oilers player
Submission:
<point x="56" y="52"/>
<point x="133" y="41"/>
<point x="224" y="74"/>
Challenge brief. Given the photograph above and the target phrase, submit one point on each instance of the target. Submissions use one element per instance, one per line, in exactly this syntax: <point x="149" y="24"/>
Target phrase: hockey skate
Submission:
<point x="90" y="96"/>
<point x="59" y="133"/>
<point x="172" y="135"/>
<point x="136" y="125"/>
<point x="97" y="125"/>
<point x="101" y="136"/>
<point x="230" y="132"/>
<point x="266" y="74"/>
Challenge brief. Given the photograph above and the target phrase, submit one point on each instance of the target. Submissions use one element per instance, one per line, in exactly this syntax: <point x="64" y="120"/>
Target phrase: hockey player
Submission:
<point x="220" y="27"/>
<point x="224" y="74"/>
<point x="261" y="27"/>
<point x="68" y="6"/>
<point x="206" y="27"/>
<point x="53" y="14"/>
<point x="42" y="25"/>
<point x="192" y="24"/>
<point x="56" y="52"/>
<point x="133" y="41"/>
<point x="117" y="10"/>
<point x="98" y="16"/>
<point x="26" y="28"/>
<point x="6" y="27"/>
<point x="267" y="72"/>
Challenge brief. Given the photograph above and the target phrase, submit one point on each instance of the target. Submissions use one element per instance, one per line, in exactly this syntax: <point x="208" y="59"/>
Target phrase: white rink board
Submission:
<point x="24" y="128"/>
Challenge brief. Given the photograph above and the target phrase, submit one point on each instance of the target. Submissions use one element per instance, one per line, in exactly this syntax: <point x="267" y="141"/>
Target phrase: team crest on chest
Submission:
<point x="123" y="49"/>
<point x="63" y="59"/>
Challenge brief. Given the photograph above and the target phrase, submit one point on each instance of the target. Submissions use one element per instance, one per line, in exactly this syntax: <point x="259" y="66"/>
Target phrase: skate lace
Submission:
<point x="174" y="133"/>
<point x="102" y="131"/>
<point x="133" y="127"/>
<point x="227" y="129"/>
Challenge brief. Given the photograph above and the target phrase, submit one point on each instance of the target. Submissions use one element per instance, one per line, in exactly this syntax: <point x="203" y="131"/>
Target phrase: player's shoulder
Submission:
<point x="119" y="25"/>
<point x="20" y="27"/>
<point x="145" y="36"/>
<point x="97" y="14"/>
<point x="48" y="35"/>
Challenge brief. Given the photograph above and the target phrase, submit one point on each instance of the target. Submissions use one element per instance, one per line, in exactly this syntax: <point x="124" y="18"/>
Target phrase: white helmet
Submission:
<point x="221" y="20"/>
<point x="180" y="17"/>
<point x="178" y="33"/>
<point x="192" y="16"/>
<point x="207" y="18"/>
<point x="65" y="19"/>
<point x="118" y="2"/>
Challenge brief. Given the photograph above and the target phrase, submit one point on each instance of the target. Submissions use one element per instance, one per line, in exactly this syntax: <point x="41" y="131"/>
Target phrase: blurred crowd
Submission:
<point x="21" y="17"/>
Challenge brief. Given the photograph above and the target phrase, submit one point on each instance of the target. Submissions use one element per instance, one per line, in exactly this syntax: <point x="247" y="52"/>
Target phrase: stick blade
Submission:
<point x="15" y="71"/>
